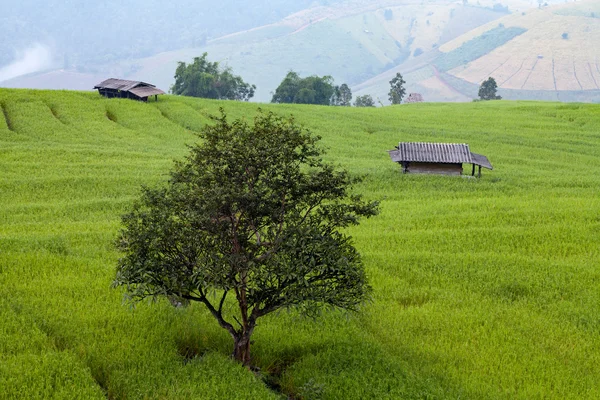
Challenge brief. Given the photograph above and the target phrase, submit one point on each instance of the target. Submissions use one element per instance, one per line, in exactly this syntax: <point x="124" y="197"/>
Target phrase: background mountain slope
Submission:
<point x="549" y="53"/>
<point x="444" y="48"/>
<point x="99" y="32"/>
<point x="351" y="44"/>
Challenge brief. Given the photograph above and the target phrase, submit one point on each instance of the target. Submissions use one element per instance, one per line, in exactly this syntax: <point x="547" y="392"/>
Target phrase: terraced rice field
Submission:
<point x="483" y="288"/>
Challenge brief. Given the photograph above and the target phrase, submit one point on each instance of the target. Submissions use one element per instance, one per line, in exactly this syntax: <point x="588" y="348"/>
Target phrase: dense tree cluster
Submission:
<point x="342" y="96"/>
<point x="310" y="90"/>
<point x="317" y="90"/>
<point x="203" y="78"/>
<point x="365" y="100"/>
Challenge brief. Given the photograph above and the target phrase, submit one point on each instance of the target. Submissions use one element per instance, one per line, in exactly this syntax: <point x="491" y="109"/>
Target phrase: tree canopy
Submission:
<point x="249" y="223"/>
<point x="366" y="100"/>
<point x="488" y="89"/>
<point x="206" y="79"/>
<point x="309" y="90"/>
<point x="342" y="96"/>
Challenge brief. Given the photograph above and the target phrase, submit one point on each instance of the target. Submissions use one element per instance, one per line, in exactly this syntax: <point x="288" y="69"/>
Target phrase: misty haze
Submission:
<point x="444" y="49"/>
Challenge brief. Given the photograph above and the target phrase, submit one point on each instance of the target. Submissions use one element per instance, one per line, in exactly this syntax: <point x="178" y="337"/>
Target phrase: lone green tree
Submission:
<point x="487" y="90"/>
<point x="397" y="90"/>
<point x="206" y="79"/>
<point x="249" y="223"/>
<point x="345" y="95"/>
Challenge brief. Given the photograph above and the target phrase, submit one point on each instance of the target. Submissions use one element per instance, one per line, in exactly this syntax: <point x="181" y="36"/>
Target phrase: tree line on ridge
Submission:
<point x="206" y="79"/>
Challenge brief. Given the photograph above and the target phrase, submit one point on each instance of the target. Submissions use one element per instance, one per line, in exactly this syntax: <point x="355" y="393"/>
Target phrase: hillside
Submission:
<point x="83" y="33"/>
<point x="445" y="48"/>
<point x="548" y="54"/>
<point x="483" y="288"/>
<point x="353" y="40"/>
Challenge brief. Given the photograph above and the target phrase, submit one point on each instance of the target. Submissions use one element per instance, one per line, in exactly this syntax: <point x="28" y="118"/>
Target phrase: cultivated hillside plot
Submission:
<point x="558" y="52"/>
<point x="483" y="288"/>
<point x="541" y="53"/>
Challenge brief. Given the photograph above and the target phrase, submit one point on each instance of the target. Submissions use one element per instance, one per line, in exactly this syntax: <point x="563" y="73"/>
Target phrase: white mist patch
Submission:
<point x="36" y="58"/>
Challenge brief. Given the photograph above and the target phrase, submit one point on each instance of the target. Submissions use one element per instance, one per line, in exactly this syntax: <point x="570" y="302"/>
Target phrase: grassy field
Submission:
<point x="483" y="288"/>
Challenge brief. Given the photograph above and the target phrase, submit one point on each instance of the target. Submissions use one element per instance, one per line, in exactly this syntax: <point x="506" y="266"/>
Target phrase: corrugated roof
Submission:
<point x="448" y="153"/>
<point x="482" y="160"/>
<point x="121" y="84"/>
<point x="145" y="91"/>
<point x="432" y="152"/>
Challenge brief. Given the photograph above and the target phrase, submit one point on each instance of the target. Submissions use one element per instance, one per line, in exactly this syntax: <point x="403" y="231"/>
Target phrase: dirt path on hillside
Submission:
<point x="592" y="75"/>
<point x="530" y="72"/>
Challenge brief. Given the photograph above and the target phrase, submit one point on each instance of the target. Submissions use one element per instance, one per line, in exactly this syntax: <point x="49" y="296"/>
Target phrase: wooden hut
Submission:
<point x="414" y="98"/>
<point x="437" y="158"/>
<point x="128" y="89"/>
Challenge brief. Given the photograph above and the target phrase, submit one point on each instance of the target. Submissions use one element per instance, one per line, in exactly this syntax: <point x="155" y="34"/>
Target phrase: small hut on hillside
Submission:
<point x="127" y="89"/>
<point x="437" y="158"/>
<point x="414" y="98"/>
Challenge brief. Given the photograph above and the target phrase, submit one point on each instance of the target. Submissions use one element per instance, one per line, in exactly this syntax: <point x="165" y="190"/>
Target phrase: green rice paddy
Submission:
<point x="483" y="288"/>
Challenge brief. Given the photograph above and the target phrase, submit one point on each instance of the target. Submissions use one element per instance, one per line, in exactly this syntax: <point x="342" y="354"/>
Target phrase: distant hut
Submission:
<point x="128" y="89"/>
<point x="437" y="158"/>
<point x="414" y="98"/>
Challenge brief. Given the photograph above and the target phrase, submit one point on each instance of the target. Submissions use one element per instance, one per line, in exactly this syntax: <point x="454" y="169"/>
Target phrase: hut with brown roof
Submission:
<point x="437" y="158"/>
<point x="414" y="98"/>
<point x="122" y="88"/>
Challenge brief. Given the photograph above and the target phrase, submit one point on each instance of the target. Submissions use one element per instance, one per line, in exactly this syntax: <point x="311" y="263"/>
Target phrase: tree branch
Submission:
<point x="224" y="324"/>
<point x="222" y="301"/>
<point x="238" y="321"/>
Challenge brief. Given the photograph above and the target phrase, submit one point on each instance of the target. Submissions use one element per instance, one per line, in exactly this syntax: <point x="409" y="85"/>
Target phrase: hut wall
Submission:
<point x="434" y="168"/>
<point x="112" y="93"/>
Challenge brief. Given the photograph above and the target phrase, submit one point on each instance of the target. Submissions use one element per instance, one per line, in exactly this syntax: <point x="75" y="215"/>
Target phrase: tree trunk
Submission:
<point x="241" y="347"/>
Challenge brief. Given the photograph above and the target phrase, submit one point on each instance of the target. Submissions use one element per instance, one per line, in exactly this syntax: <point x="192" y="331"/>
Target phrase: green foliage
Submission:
<point x="254" y="214"/>
<point x="366" y="100"/>
<point x="203" y="78"/>
<point x="342" y="96"/>
<point x="309" y="90"/>
<point x="477" y="47"/>
<point x="488" y="89"/>
<point x="397" y="89"/>
<point x="482" y="289"/>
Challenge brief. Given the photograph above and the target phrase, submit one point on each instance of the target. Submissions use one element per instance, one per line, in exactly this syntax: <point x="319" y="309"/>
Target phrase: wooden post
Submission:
<point x="473" y="173"/>
<point x="155" y="97"/>
<point x="479" y="174"/>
